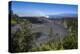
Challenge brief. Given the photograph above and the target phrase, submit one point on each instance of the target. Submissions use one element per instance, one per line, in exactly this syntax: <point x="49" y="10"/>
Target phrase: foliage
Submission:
<point x="71" y="40"/>
<point x="21" y="40"/>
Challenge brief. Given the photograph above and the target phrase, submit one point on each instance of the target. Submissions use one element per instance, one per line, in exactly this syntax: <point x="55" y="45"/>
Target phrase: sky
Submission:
<point x="42" y="9"/>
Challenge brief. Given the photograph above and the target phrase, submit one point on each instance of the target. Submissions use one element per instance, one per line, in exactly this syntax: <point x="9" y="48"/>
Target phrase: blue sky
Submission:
<point x="42" y="9"/>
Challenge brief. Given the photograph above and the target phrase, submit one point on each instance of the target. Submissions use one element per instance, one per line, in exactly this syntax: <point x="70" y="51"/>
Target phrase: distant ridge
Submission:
<point x="63" y="15"/>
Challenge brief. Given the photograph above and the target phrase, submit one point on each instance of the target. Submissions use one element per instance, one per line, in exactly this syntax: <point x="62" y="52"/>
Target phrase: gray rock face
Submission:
<point x="45" y="32"/>
<point x="58" y="32"/>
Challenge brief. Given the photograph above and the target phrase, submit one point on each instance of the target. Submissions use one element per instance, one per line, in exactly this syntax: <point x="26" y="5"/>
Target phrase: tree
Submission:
<point x="71" y="40"/>
<point x="21" y="40"/>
